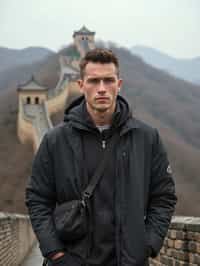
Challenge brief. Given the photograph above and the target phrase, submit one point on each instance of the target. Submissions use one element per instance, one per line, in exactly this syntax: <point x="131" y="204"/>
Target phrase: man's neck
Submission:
<point x="101" y="118"/>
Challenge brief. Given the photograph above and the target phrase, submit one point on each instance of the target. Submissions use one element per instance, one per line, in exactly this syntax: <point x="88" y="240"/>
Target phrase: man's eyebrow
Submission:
<point x="101" y="77"/>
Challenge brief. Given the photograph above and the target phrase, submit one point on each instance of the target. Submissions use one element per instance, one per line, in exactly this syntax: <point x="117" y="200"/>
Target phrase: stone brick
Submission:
<point x="169" y="252"/>
<point x="198" y="248"/>
<point x="191" y="236"/>
<point x="172" y="234"/>
<point x="158" y="257"/>
<point x="170" y="243"/>
<point x="182" y="263"/>
<point x="167" y="260"/>
<point x="192" y="246"/>
<point x="194" y="258"/>
<point x="177" y="234"/>
<point x="163" y="250"/>
<point x="180" y="255"/>
<point x="181" y="235"/>
<point x="197" y="237"/>
<point x="165" y="242"/>
<point x="179" y="244"/>
<point x="156" y="263"/>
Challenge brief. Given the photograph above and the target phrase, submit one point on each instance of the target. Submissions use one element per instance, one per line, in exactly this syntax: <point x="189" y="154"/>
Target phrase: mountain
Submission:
<point x="10" y="58"/>
<point x="173" y="101"/>
<point x="187" y="69"/>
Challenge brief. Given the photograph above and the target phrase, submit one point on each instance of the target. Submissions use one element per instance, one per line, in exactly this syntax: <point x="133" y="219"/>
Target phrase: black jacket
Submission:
<point x="144" y="187"/>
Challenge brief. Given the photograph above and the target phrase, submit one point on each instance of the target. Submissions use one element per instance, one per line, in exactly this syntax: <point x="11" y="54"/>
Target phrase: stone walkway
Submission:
<point x="39" y="118"/>
<point x="34" y="258"/>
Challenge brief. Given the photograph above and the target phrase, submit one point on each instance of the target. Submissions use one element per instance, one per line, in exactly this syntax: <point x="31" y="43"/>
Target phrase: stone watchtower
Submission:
<point x="31" y="96"/>
<point x="84" y="40"/>
<point x="32" y="92"/>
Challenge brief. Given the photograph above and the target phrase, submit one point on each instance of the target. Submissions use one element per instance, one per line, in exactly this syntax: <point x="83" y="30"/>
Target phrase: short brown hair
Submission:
<point x="99" y="55"/>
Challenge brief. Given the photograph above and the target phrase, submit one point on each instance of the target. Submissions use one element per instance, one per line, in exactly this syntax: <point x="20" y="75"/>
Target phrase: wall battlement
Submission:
<point x="182" y="244"/>
<point x="16" y="238"/>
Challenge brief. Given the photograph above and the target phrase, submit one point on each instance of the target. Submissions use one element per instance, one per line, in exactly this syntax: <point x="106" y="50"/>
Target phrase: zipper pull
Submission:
<point x="103" y="144"/>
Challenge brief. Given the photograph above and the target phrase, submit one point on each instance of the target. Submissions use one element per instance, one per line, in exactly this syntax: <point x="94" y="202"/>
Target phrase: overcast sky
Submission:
<point x="172" y="26"/>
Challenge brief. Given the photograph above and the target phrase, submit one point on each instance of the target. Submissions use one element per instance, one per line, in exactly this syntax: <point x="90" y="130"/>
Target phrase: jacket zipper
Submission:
<point x="103" y="144"/>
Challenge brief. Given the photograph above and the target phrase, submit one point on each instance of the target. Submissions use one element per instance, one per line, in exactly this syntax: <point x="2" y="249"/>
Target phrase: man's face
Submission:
<point x="100" y="86"/>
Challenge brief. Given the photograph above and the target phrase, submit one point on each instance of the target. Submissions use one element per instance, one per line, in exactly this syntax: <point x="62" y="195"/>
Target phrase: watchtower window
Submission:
<point x="28" y="100"/>
<point x="36" y="100"/>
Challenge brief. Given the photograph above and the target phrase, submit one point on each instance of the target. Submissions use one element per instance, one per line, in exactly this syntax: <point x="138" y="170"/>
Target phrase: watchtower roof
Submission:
<point x="83" y="31"/>
<point x="31" y="85"/>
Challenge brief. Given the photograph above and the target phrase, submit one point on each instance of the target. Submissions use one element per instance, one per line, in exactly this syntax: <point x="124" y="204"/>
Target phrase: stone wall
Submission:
<point x="182" y="244"/>
<point x="57" y="103"/>
<point x="16" y="238"/>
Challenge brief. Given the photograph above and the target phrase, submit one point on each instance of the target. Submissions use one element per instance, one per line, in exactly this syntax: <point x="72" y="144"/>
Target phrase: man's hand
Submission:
<point x="57" y="255"/>
<point x="62" y="258"/>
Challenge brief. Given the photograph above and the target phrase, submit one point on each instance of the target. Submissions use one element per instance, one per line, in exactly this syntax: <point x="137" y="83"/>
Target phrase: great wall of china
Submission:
<point x="36" y="105"/>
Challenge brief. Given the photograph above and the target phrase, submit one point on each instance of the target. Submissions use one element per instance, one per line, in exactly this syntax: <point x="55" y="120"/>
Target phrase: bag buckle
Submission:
<point x="85" y="197"/>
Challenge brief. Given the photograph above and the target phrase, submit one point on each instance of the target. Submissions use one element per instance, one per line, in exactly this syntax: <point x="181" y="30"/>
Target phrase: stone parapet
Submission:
<point x="16" y="238"/>
<point x="182" y="243"/>
<point x="57" y="103"/>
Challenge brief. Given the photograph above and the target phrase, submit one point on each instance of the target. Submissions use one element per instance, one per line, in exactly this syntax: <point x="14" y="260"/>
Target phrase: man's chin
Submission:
<point x="102" y="109"/>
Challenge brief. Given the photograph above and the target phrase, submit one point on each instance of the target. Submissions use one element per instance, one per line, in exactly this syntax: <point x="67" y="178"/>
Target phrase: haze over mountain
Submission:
<point x="18" y="65"/>
<point x="187" y="69"/>
<point x="169" y="104"/>
<point x="10" y="58"/>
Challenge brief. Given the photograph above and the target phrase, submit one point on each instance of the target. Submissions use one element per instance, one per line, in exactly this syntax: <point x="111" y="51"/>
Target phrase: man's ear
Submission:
<point x="80" y="84"/>
<point x="120" y="81"/>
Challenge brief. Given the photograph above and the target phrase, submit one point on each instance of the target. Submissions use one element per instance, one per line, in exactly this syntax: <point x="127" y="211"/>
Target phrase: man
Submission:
<point x="133" y="203"/>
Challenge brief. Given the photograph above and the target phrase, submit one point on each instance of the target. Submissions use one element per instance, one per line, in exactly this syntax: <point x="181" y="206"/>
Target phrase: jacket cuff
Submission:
<point x="66" y="259"/>
<point x="51" y="254"/>
<point x="155" y="242"/>
<point x="49" y="245"/>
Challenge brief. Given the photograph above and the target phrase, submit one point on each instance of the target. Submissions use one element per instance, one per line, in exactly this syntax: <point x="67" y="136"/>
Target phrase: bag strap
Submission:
<point x="87" y="193"/>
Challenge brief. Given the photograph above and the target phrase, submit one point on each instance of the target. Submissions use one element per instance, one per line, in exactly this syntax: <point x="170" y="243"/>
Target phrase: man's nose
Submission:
<point x="101" y="87"/>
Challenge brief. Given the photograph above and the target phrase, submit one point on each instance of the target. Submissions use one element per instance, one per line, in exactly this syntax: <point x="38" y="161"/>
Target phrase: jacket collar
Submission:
<point x="131" y="124"/>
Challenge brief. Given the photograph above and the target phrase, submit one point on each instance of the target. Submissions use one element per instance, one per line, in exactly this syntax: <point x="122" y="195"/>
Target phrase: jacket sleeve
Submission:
<point x="41" y="200"/>
<point x="162" y="198"/>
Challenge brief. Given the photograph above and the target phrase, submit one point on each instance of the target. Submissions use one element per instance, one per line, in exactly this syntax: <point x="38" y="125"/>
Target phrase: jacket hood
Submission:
<point x="78" y="115"/>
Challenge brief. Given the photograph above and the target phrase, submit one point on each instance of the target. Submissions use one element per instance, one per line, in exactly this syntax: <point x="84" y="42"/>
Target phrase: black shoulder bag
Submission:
<point x="71" y="218"/>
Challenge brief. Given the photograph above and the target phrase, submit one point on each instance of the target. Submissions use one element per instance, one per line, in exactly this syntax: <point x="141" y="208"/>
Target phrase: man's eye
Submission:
<point x="96" y="81"/>
<point x="93" y="81"/>
<point x="108" y="80"/>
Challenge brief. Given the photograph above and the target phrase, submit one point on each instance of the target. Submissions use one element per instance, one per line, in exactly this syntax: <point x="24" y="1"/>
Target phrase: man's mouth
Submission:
<point x="102" y="98"/>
